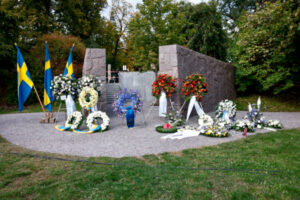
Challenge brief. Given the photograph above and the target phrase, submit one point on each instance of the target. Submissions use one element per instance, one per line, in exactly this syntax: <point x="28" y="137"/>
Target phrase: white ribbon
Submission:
<point x="163" y="104"/>
<point x="258" y="103"/>
<point x="70" y="105"/>
<point x="181" y="134"/>
<point x="194" y="103"/>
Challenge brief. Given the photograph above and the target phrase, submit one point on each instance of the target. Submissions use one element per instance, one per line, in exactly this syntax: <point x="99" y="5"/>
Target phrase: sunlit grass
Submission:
<point x="271" y="104"/>
<point x="252" y="162"/>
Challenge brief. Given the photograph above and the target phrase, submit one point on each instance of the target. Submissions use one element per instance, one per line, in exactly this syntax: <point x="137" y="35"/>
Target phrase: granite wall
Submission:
<point x="95" y="64"/>
<point x="138" y="81"/>
<point x="181" y="62"/>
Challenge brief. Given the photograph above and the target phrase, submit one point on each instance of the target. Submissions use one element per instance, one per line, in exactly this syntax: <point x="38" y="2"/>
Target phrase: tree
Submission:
<point x="233" y="9"/>
<point x="79" y="18"/>
<point x="156" y="23"/>
<point x="119" y="14"/>
<point x="205" y="32"/>
<point x="8" y="35"/>
<point x="267" y="48"/>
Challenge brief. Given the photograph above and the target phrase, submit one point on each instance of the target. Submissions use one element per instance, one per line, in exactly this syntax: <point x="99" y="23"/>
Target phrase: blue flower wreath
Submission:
<point x="124" y="96"/>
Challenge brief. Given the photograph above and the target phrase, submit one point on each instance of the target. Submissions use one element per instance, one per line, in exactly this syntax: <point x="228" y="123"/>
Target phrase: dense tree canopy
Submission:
<point x="267" y="48"/>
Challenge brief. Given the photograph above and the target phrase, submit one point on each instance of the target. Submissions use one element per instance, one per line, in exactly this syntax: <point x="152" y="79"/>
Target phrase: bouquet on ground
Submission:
<point x="274" y="124"/>
<point x="63" y="86"/>
<point x="175" y="118"/>
<point x="215" y="131"/>
<point x="194" y="85"/>
<point x="240" y="125"/>
<point x="205" y="121"/>
<point x="164" y="82"/>
<point x="89" y="81"/>
<point x="255" y="115"/>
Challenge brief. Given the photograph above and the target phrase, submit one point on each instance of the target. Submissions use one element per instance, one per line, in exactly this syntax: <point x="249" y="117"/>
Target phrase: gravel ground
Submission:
<point x="119" y="141"/>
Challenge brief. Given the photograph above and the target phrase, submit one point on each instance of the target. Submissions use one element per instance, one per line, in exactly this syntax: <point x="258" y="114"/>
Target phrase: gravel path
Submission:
<point x="26" y="131"/>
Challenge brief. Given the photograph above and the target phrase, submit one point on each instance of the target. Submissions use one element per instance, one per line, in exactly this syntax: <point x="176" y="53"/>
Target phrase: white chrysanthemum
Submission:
<point x="93" y="98"/>
<point x="98" y="114"/>
<point x="74" y="120"/>
<point x="205" y="120"/>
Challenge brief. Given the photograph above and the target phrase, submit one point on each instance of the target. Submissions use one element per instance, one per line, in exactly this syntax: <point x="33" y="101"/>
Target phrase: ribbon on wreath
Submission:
<point x="70" y="105"/>
<point x="163" y="104"/>
<point x="194" y="103"/>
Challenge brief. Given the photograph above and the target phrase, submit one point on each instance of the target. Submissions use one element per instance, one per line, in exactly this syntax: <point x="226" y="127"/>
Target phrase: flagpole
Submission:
<point x="40" y="100"/>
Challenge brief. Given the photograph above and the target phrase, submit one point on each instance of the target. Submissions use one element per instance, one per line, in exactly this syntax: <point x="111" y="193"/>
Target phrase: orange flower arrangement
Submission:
<point x="164" y="82"/>
<point x="194" y="84"/>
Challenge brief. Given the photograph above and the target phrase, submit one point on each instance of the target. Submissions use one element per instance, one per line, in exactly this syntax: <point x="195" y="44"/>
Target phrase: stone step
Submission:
<point x="111" y="90"/>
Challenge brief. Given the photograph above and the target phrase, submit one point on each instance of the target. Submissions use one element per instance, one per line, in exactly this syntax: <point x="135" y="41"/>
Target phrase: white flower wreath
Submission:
<point x="74" y="120"/>
<point x="91" y="95"/>
<point x="228" y="106"/>
<point x="100" y="115"/>
<point x="205" y="120"/>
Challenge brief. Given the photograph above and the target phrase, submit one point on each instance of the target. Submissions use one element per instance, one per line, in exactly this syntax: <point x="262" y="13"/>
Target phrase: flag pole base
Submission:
<point x="50" y="119"/>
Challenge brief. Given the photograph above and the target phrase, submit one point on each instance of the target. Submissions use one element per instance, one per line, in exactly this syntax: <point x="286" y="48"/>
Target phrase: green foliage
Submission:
<point x="156" y="23"/>
<point x="161" y="129"/>
<point x="59" y="48"/>
<point x="8" y="35"/>
<point x="80" y="18"/>
<point x="266" y="48"/>
<point x="206" y="32"/>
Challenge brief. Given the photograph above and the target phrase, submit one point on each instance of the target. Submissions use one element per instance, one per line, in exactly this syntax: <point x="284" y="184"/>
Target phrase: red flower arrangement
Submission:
<point x="194" y="84"/>
<point x="164" y="82"/>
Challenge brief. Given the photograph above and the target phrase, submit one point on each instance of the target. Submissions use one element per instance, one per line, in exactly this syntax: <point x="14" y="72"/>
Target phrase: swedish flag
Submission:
<point x="48" y="97"/>
<point x="25" y="83"/>
<point x="69" y="66"/>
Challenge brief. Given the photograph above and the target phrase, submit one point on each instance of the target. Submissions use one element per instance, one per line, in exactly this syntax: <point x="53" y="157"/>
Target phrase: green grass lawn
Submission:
<point x="271" y="104"/>
<point x="264" y="166"/>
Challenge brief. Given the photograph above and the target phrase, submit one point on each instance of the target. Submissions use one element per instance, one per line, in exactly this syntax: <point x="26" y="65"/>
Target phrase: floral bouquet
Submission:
<point x="274" y="124"/>
<point x="175" y="118"/>
<point x="240" y="125"/>
<point x="226" y="107"/>
<point x="164" y="82"/>
<point x="205" y="120"/>
<point x="89" y="81"/>
<point x="63" y="86"/>
<point x="215" y="131"/>
<point x="254" y="115"/>
<point x="194" y="85"/>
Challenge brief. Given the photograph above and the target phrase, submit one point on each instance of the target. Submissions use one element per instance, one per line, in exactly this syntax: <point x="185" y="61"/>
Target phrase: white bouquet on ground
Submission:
<point x="91" y="82"/>
<point x="205" y="120"/>
<point x="274" y="124"/>
<point x="240" y="125"/>
<point x="63" y="86"/>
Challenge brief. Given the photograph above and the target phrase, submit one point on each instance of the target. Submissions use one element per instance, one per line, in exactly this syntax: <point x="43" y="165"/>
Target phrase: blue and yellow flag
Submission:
<point x="69" y="66"/>
<point x="25" y="83"/>
<point x="48" y="97"/>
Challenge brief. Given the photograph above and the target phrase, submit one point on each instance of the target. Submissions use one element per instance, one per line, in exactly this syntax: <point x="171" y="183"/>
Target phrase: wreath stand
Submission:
<point x="200" y="104"/>
<point x="58" y="111"/>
